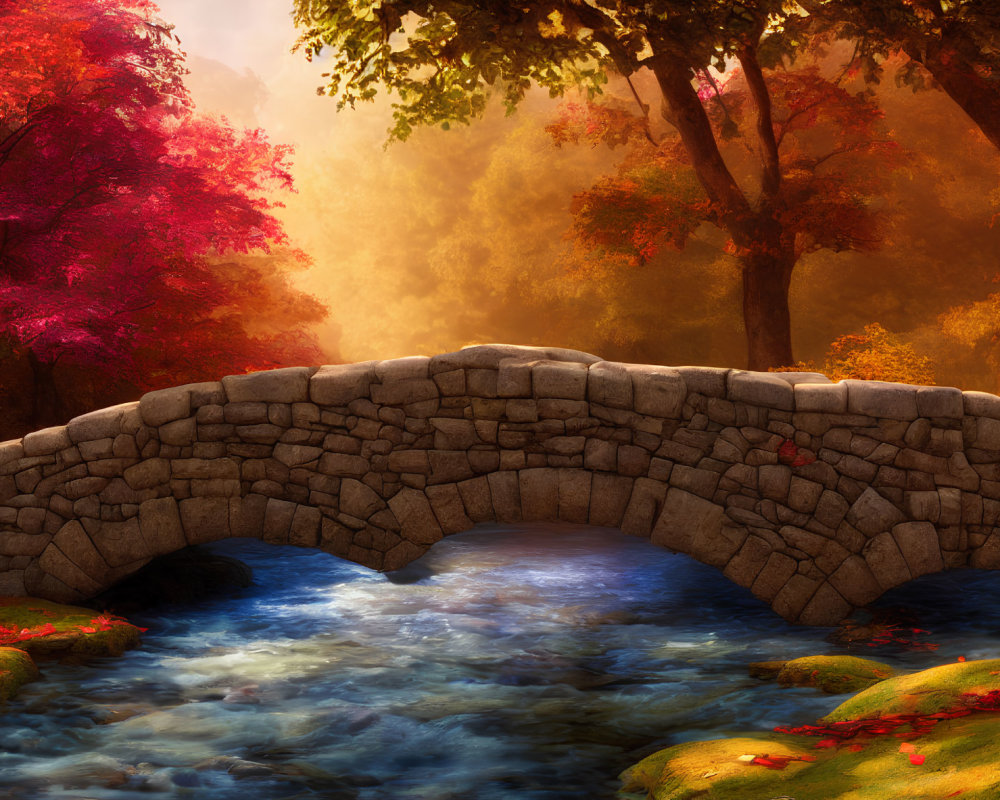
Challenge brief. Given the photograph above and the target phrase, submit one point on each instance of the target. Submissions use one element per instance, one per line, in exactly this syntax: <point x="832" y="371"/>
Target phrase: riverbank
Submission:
<point x="925" y="736"/>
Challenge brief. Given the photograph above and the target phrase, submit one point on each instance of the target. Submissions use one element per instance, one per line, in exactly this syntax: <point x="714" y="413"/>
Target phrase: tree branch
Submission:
<point x="771" y="166"/>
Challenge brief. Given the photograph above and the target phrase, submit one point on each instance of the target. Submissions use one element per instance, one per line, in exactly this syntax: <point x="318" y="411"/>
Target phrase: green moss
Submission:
<point x="959" y="754"/>
<point x="16" y="669"/>
<point x="925" y="692"/>
<point x="68" y="638"/>
<point x="834" y="674"/>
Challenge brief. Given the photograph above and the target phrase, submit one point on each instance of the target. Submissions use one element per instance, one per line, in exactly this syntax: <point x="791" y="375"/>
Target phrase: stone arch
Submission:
<point x="816" y="496"/>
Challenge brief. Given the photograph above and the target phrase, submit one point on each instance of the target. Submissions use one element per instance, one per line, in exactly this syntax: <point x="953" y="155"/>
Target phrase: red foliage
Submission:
<point x="916" y="724"/>
<point x="778" y="762"/>
<point x="833" y="158"/>
<point x="118" y="201"/>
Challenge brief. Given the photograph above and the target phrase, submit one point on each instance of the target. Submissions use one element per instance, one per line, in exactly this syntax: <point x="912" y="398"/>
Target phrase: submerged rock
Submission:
<point x="832" y="674"/>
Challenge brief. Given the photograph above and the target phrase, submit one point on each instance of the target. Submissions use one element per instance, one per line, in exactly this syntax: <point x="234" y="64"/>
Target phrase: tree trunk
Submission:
<point x="46" y="404"/>
<point x="766" y="279"/>
<point x="976" y="96"/>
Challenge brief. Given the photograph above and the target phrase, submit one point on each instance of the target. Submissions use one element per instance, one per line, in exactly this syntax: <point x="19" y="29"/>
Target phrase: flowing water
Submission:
<point x="531" y="662"/>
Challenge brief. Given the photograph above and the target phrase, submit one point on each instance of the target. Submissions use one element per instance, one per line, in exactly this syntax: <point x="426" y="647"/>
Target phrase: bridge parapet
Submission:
<point x="816" y="496"/>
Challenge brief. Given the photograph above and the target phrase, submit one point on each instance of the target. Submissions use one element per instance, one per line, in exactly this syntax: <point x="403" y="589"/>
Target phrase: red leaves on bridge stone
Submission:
<point x="789" y="453"/>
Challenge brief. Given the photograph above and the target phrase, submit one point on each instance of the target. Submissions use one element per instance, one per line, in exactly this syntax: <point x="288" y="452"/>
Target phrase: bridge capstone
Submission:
<point x="816" y="496"/>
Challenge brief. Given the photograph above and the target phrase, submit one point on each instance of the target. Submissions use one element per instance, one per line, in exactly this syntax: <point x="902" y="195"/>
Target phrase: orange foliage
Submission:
<point x="877" y="355"/>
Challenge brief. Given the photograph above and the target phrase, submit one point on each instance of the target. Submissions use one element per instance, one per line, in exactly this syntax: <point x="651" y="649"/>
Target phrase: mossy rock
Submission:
<point x="959" y="761"/>
<point x="925" y="692"/>
<point x="956" y="758"/>
<point x="68" y="637"/>
<point x="16" y="669"/>
<point x="832" y="674"/>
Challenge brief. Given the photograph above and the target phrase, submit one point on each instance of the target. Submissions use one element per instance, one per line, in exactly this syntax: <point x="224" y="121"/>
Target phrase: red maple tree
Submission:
<point x="122" y="211"/>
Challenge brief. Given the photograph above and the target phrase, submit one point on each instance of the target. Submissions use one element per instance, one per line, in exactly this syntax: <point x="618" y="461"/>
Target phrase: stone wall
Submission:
<point x="816" y="496"/>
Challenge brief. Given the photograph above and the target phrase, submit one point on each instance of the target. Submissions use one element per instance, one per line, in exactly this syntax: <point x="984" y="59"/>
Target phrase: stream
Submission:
<point x="530" y="662"/>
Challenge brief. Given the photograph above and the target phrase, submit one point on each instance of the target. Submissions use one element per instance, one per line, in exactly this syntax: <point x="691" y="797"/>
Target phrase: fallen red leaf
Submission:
<point x="916" y="759"/>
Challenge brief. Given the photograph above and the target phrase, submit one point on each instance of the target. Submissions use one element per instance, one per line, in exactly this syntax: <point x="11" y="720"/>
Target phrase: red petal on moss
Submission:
<point x="826" y="743"/>
<point x="916" y="759"/>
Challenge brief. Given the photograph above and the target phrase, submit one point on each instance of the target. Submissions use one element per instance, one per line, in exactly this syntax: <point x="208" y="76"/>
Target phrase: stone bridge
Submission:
<point x="818" y="497"/>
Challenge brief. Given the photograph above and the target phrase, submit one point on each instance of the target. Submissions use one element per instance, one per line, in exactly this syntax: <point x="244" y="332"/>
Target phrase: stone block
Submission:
<point x="774" y="480"/>
<point x="855" y="582"/>
<point x="477" y="500"/>
<point x="204" y="519"/>
<point x="563" y="380"/>
<point x="481" y="382"/>
<point x="610" y="384"/>
<point x="180" y="433"/>
<point x="574" y="495"/>
<point x="940" y="401"/>
<point x="247" y="414"/>
<point x="416" y="517"/>
<point x="57" y="565"/>
<point x="305" y="527"/>
<point x="278" y="515"/>
<point x="342" y="465"/>
<point x="987" y="434"/>
<point x="295" y="455"/>
<point x="918" y="542"/>
<point x="981" y="404"/>
<point x="402" y="369"/>
<point x="657" y="391"/>
<point x="922" y="505"/>
<point x="107" y="422"/>
<point x="803" y="495"/>
<point x="505" y="494"/>
<point x="601" y="455"/>
<point x="165" y="405"/>
<point x="643" y="507"/>
<point x="337" y="385"/>
<point x="826" y="607"/>
<point x="446" y="502"/>
<point x="539" y="492"/>
<point x="246" y="515"/>
<point x="288" y="385"/>
<point x="76" y="545"/>
<point x="776" y="572"/>
<point x="744" y="567"/>
<point x="707" y="381"/>
<point x="514" y="378"/>
<point x="448" y="466"/>
<point x="872" y="514"/>
<point x="702" y="482"/>
<point x="685" y="517"/>
<point x="358" y="499"/>
<point x="120" y="543"/>
<point x="609" y="497"/>
<point x="452" y="383"/>
<point x="454" y="434"/>
<point x="821" y="399"/>
<point x="405" y="392"/>
<point x="45" y="442"/>
<point x="885" y="561"/>
<point x="882" y="399"/>
<point x="760" y="389"/>
<point x="160" y="526"/>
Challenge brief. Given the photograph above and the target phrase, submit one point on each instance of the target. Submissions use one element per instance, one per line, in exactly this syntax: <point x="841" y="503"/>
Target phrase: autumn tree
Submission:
<point x="955" y="42"/>
<point x="122" y="211"/>
<point x="443" y="59"/>
<point x="833" y="156"/>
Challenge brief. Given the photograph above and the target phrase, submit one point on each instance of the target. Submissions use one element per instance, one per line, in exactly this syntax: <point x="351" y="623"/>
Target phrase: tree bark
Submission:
<point x="46" y="404"/>
<point x="766" y="264"/>
<point x="766" y="280"/>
